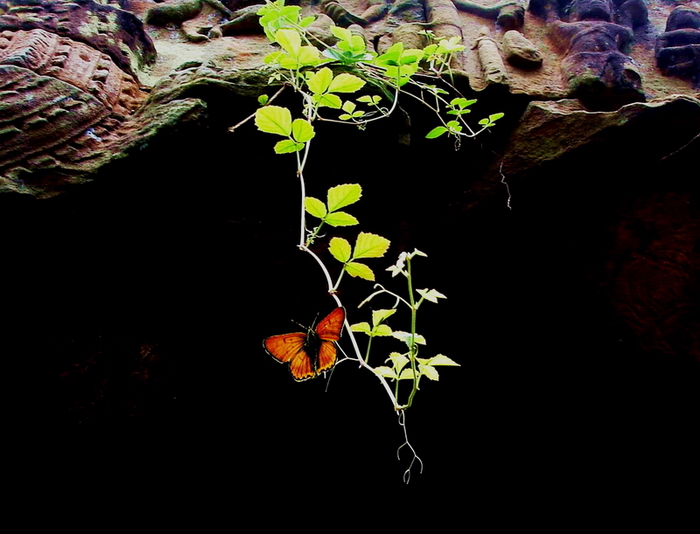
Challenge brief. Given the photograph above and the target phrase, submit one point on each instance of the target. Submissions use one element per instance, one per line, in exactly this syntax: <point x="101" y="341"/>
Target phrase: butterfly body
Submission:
<point x="309" y="353"/>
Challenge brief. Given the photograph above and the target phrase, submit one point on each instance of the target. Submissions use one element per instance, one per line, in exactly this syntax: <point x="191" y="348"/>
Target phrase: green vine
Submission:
<point x="328" y="79"/>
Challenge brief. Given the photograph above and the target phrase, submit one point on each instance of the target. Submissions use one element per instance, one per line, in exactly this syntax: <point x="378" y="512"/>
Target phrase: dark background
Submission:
<point x="136" y="307"/>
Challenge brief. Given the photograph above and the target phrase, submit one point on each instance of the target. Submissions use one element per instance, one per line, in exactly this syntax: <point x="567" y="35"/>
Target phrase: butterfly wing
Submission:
<point x="328" y="331"/>
<point x="291" y="348"/>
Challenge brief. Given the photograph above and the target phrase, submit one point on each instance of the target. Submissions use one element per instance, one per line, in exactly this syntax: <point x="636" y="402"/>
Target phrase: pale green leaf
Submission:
<point x="315" y="207"/>
<point x="274" y="120"/>
<point x="309" y="56"/>
<point x="340" y="218"/>
<point x="302" y="130"/>
<point x="407" y="374"/>
<point x="288" y="146"/>
<point x="346" y="83"/>
<point x="328" y="100"/>
<point x="288" y="62"/>
<point x="361" y="327"/>
<point x="429" y="372"/>
<point x="430" y="294"/>
<point x="349" y="106"/>
<point x="274" y="57"/>
<point x="306" y="21"/>
<point x="441" y="359"/>
<point x="385" y="371"/>
<point x="370" y="246"/>
<point x="341" y="33"/>
<point x="343" y="195"/>
<point x="357" y="43"/>
<point x="340" y="249"/>
<point x="379" y="316"/>
<point x="289" y="40"/>
<point x="370" y="99"/>
<point x="406" y="338"/>
<point x="398" y="360"/>
<point x="359" y="270"/>
<point x="319" y="81"/>
<point x="262" y="99"/>
<point x="382" y="330"/>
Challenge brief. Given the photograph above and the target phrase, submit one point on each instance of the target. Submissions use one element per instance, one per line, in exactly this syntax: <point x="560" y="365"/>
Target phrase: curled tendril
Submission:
<point x="407" y="473"/>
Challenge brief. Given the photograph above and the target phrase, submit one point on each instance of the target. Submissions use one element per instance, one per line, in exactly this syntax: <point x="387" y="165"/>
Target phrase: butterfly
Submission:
<point x="310" y="353"/>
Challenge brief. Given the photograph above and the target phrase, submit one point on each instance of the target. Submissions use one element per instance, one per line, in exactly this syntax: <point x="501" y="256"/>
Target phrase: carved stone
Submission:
<point x="520" y="51"/>
<point x="596" y="66"/>
<point x="678" y="48"/>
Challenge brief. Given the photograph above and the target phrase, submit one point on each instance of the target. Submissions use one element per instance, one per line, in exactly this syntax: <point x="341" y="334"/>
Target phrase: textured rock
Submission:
<point x="678" y="48"/>
<point x="70" y="106"/>
<point x="520" y="51"/>
<point x="556" y="130"/>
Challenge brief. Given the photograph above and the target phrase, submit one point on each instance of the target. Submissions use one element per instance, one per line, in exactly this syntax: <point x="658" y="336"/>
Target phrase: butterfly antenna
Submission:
<point x="407" y="472"/>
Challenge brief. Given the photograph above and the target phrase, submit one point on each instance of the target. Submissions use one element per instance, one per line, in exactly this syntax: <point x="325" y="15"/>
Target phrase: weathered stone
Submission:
<point x="494" y="70"/>
<point x="520" y="51"/>
<point x="596" y="67"/>
<point x="678" y="48"/>
<point x="508" y="15"/>
<point x="115" y="32"/>
<point x="555" y="130"/>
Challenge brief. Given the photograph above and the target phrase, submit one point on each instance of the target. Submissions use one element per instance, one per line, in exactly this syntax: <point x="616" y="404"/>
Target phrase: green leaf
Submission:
<point x="340" y="249"/>
<point x="340" y="218"/>
<point x="290" y="41"/>
<point x="302" y="131"/>
<point x="315" y="207"/>
<point x="343" y="195"/>
<point x="262" y="99"/>
<point x="430" y="294"/>
<point x="359" y="270"/>
<point x="319" y="81"/>
<point x="370" y="246"/>
<point x="309" y="56"/>
<point x="407" y="374"/>
<point x="274" y="120"/>
<point x="363" y="328"/>
<point x="385" y="371"/>
<point x="462" y="102"/>
<point x="328" y="100"/>
<point x="398" y="360"/>
<point x="357" y="43"/>
<point x="346" y="83"/>
<point x="454" y="126"/>
<point x="382" y="330"/>
<point x="349" y="106"/>
<point x="429" y="372"/>
<point x="430" y="49"/>
<point x="307" y="21"/>
<point x="288" y="146"/>
<point x="406" y="338"/>
<point x="378" y="316"/>
<point x="341" y="33"/>
<point x="441" y="359"/>
<point x="436" y="132"/>
<point x="370" y="99"/>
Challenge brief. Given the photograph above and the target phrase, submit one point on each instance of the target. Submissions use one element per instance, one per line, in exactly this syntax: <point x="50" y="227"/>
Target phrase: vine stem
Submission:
<point x="252" y="115"/>
<point x="351" y="334"/>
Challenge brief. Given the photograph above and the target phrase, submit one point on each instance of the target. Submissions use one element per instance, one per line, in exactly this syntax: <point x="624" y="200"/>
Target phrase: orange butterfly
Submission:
<point x="310" y="353"/>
